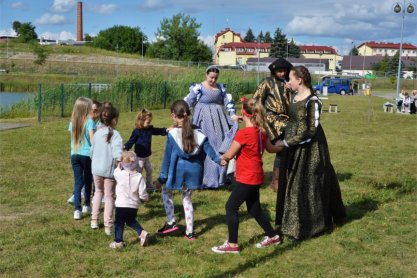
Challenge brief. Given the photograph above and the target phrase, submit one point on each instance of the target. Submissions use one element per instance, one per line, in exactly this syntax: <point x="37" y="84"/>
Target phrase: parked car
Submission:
<point x="335" y="85"/>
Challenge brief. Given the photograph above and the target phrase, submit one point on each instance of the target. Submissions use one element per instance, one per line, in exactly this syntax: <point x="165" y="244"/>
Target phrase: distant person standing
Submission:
<point x="273" y="95"/>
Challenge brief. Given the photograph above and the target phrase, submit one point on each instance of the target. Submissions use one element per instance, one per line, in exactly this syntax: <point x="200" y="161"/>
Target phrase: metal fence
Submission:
<point x="58" y="100"/>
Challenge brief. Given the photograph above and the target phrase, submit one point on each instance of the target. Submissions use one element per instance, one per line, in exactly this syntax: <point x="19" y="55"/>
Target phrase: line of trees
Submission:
<point x="281" y="47"/>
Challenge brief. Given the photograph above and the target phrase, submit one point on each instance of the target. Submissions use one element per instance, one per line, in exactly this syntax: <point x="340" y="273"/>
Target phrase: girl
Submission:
<point x="142" y="139"/>
<point x="311" y="200"/>
<point x="130" y="189"/>
<point x="248" y="147"/>
<point x="182" y="166"/>
<point x="106" y="150"/>
<point x="82" y="129"/>
<point x="95" y="115"/>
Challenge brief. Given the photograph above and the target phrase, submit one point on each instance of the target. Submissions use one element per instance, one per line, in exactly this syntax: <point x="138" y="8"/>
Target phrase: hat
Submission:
<point x="280" y="63"/>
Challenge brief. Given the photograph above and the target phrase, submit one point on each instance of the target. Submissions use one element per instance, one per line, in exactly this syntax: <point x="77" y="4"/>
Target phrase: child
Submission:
<point x="312" y="201"/>
<point x="95" y="115"/>
<point x="82" y="129"/>
<point x="182" y="166"/>
<point x="130" y="189"/>
<point x="106" y="150"/>
<point x="248" y="146"/>
<point x="142" y="139"/>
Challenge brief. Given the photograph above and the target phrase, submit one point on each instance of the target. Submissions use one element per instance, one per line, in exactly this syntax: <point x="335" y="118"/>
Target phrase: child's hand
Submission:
<point x="144" y="200"/>
<point x="223" y="162"/>
<point x="157" y="185"/>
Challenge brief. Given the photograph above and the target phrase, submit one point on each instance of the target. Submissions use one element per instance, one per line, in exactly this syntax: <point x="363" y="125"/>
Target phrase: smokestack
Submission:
<point x="80" y="21"/>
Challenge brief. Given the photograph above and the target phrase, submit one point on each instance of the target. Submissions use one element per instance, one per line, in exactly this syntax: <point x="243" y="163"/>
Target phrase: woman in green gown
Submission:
<point x="312" y="200"/>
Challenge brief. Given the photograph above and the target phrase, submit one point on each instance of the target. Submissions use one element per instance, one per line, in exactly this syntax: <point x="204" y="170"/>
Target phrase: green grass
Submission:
<point x="374" y="158"/>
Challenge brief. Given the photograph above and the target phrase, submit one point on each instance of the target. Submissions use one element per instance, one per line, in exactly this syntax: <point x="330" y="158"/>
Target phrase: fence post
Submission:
<point x="39" y="102"/>
<point x="89" y="90"/>
<point x="165" y="95"/>
<point x="62" y="100"/>
<point x="131" y="97"/>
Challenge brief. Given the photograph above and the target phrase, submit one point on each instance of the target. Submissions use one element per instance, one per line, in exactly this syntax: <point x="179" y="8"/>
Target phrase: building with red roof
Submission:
<point x="372" y="48"/>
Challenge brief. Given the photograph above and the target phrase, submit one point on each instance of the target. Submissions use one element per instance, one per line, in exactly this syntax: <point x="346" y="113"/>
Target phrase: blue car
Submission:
<point x="334" y="86"/>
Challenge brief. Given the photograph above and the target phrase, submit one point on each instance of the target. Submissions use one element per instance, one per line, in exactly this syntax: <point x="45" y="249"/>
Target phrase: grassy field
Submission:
<point x="374" y="154"/>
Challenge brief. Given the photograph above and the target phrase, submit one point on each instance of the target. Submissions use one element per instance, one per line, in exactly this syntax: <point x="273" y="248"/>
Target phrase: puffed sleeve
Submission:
<point x="194" y="94"/>
<point x="227" y="100"/>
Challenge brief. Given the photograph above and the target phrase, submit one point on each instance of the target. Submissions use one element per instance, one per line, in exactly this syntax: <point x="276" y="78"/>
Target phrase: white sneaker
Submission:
<point x="107" y="231"/>
<point x="144" y="238"/>
<point x="71" y="199"/>
<point x="102" y="200"/>
<point x="94" y="224"/>
<point x="77" y="215"/>
<point x="86" y="210"/>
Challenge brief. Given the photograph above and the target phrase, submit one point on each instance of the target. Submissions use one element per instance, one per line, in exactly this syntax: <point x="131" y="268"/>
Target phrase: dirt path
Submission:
<point x="6" y="126"/>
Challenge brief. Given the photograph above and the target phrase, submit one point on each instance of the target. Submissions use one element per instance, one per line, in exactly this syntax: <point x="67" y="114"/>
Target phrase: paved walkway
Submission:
<point x="6" y="126"/>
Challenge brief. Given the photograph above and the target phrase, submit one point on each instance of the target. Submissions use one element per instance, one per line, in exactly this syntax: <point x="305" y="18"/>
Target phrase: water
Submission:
<point x="8" y="99"/>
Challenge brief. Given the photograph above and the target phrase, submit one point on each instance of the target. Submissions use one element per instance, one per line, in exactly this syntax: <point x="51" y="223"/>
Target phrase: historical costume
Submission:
<point x="212" y="113"/>
<point x="313" y="199"/>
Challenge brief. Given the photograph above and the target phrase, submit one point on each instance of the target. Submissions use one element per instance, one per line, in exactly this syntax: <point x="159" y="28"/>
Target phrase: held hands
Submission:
<point x="157" y="185"/>
<point x="237" y="118"/>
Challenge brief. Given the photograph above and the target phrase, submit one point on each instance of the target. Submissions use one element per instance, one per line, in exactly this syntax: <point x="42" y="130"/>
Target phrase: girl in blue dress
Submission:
<point x="182" y="166"/>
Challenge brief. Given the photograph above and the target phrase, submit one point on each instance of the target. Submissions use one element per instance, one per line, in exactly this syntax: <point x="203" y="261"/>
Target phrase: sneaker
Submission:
<point x="77" y="215"/>
<point x="268" y="241"/>
<point x="86" y="210"/>
<point x="103" y="200"/>
<point x="144" y="238"/>
<point x="94" y="224"/>
<point x="108" y="231"/>
<point x="190" y="236"/>
<point x="117" y="245"/>
<point x="71" y="199"/>
<point x="226" y="248"/>
<point x="168" y="228"/>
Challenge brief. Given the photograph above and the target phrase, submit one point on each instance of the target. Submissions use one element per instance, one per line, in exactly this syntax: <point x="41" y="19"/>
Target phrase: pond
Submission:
<point x="7" y="99"/>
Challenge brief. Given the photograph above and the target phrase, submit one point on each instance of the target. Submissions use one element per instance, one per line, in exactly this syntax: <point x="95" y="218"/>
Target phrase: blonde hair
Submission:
<point x="128" y="157"/>
<point x="80" y="113"/>
<point x="141" y="118"/>
<point x="255" y="109"/>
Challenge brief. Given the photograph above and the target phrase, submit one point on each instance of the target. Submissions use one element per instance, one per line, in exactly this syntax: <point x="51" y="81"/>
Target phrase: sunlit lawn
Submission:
<point x="374" y="154"/>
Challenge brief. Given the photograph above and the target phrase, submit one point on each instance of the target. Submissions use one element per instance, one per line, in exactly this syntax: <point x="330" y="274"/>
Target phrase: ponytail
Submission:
<point x="107" y="117"/>
<point x="182" y="111"/>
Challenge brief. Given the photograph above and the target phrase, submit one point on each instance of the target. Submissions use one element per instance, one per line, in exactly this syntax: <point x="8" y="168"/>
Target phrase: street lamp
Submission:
<point x="398" y="8"/>
<point x="259" y="50"/>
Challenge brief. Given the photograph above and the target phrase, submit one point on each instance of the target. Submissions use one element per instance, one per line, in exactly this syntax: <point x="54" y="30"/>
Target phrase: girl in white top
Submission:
<point x="130" y="190"/>
<point x="105" y="152"/>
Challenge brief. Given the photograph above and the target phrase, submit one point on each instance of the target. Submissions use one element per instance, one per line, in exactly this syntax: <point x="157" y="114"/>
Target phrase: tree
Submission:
<point x="249" y="36"/>
<point x="279" y="45"/>
<point x="41" y="54"/>
<point x="88" y="38"/>
<point x="354" y="51"/>
<point x="268" y="37"/>
<point x="25" y="31"/>
<point x="120" y="38"/>
<point x="393" y="64"/>
<point x="261" y="37"/>
<point x="382" y="65"/>
<point x="293" y="50"/>
<point x="177" y="39"/>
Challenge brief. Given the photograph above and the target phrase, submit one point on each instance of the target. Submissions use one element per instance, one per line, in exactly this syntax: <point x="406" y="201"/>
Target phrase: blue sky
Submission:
<point x="334" y="23"/>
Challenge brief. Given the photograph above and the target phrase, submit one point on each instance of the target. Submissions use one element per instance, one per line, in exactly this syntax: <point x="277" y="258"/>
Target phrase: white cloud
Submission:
<point x="155" y="4"/>
<point x="62" y="6"/>
<point x="63" y="35"/>
<point x="52" y="19"/>
<point x="103" y="8"/>
<point x="16" y="5"/>
<point x="8" y="32"/>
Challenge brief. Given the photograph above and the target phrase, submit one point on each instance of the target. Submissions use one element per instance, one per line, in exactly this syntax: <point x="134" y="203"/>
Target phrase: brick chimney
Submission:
<point x="80" y="21"/>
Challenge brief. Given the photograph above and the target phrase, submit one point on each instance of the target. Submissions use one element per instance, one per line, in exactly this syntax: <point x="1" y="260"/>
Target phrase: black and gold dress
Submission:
<point x="310" y="194"/>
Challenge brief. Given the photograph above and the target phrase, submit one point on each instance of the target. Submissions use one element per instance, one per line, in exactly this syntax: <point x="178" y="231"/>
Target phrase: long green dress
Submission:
<point x="309" y="200"/>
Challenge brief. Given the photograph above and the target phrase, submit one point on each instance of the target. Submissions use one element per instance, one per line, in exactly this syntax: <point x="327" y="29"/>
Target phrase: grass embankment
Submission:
<point x="375" y="162"/>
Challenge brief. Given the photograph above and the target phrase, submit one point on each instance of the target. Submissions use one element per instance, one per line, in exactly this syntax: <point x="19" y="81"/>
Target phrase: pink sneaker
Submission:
<point x="226" y="248"/>
<point x="268" y="241"/>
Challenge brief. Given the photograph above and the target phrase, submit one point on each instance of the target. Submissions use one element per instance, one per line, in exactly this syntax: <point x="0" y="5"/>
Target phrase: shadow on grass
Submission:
<point x="344" y="176"/>
<point x="241" y="268"/>
<point x="360" y="208"/>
